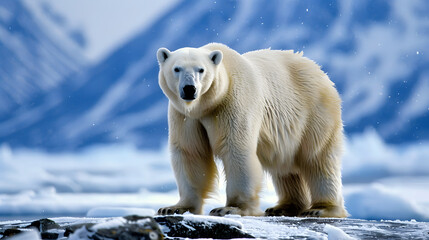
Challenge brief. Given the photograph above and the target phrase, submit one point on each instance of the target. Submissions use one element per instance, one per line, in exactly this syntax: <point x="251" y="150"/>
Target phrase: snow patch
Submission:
<point x="111" y="223"/>
<point x="79" y="234"/>
<point x="26" y="235"/>
<point x="368" y="158"/>
<point x="277" y="230"/>
<point x="119" y="212"/>
<point x="211" y="219"/>
<point x="335" y="233"/>
<point x="378" y="202"/>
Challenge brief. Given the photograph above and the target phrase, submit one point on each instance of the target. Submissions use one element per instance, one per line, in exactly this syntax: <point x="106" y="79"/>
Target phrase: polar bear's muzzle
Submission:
<point x="187" y="86"/>
<point x="188" y="92"/>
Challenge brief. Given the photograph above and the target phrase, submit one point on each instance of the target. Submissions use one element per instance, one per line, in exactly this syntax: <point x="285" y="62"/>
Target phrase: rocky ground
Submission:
<point x="190" y="226"/>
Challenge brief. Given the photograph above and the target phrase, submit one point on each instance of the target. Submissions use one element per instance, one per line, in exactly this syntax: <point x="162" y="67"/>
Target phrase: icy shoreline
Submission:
<point x="194" y="226"/>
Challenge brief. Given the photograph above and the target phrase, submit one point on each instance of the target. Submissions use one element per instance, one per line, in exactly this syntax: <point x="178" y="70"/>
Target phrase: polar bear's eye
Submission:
<point x="176" y="69"/>
<point x="201" y="70"/>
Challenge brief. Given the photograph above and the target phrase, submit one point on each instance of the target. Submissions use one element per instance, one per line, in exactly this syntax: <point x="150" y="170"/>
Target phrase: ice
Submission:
<point x="276" y="230"/>
<point x="111" y="223"/>
<point x="335" y="233"/>
<point x="30" y="203"/>
<point x="27" y="235"/>
<point x="368" y="158"/>
<point x="377" y="185"/>
<point x="211" y="219"/>
<point x="115" y="168"/>
<point x="119" y="212"/>
<point x="379" y="202"/>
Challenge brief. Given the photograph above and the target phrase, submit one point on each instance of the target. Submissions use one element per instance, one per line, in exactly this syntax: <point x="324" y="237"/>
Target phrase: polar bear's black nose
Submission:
<point x="189" y="92"/>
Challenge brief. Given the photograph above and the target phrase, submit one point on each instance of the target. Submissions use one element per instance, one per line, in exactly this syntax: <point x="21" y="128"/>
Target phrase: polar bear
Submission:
<point x="265" y="110"/>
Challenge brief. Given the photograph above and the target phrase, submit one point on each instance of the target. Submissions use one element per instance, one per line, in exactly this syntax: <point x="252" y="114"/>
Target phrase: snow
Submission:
<point x="79" y="234"/>
<point x="264" y="227"/>
<point x="275" y="230"/>
<point x="211" y="219"/>
<point x="55" y="31"/>
<point x="373" y="42"/>
<point x="115" y="95"/>
<point x="111" y="223"/>
<point x="381" y="56"/>
<point x="115" y="168"/>
<point x="380" y="181"/>
<point x="368" y="158"/>
<point x="119" y="212"/>
<point x="27" y="235"/>
<point x="115" y="21"/>
<point x="379" y="202"/>
<point x="335" y="233"/>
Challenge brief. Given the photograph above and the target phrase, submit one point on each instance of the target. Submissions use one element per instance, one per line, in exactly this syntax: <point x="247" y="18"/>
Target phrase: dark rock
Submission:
<point x="69" y="229"/>
<point x="135" y="228"/>
<point x="49" y="235"/>
<point x="44" y="225"/>
<point x="181" y="227"/>
<point x="10" y="232"/>
<point x="134" y="218"/>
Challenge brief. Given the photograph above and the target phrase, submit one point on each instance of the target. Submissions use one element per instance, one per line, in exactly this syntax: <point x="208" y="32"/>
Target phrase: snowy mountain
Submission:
<point x="375" y="51"/>
<point x="35" y="60"/>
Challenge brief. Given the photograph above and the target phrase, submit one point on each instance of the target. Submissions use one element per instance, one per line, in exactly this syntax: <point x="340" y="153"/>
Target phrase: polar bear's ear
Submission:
<point x="216" y="57"/>
<point x="163" y="54"/>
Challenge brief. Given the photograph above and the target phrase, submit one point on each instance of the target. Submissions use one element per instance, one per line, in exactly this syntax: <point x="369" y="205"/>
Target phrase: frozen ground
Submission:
<point x="195" y="226"/>
<point x="380" y="181"/>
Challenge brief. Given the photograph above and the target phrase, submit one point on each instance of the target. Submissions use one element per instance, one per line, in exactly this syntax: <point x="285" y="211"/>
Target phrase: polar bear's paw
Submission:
<point x="174" y="210"/>
<point x="288" y="210"/>
<point x="332" y="211"/>
<point x="312" y="213"/>
<point x="222" y="211"/>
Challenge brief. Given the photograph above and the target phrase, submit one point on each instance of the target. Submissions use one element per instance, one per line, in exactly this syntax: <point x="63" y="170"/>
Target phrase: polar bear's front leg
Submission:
<point x="193" y="164"/>
<point x="244" y="177"/>
<point x="195" y="175"/>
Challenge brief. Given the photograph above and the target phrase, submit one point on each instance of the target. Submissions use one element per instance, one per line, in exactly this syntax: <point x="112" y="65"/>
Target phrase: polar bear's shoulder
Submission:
<point x="217" y="46"/>
<point x="273" y="53"/>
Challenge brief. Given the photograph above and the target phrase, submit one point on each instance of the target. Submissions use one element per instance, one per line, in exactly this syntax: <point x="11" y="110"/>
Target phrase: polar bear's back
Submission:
<point x="303" y="107"/>
<point x="278" y="69"/>
<point x="304" y="72"/>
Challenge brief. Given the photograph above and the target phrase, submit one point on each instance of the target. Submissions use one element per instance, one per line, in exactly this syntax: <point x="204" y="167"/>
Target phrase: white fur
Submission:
<point x="264" y="110"/>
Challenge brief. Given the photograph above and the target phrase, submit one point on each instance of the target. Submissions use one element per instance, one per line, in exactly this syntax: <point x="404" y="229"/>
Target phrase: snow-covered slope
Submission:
<point x="34" y="59"/>
<point x="376" y="53"/>
<point x="114" y="23"/>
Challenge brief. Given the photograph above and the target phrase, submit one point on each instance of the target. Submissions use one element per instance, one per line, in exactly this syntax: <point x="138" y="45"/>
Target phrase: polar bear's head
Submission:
<point x="188" y="72"/>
